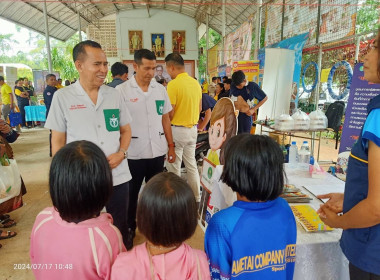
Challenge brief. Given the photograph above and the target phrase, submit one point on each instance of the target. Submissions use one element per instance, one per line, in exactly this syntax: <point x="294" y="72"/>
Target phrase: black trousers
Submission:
<point x="21" y="106"/>
<point x="358" y="274"/>
<point x="140" y="169"/>
<point x="117" y="206"/>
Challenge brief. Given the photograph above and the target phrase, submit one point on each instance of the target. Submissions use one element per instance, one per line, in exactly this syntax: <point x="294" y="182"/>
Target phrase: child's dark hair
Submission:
<point x="254" y="167"/>
<point x="80" y="181"/>
<point x="167" y="211"/>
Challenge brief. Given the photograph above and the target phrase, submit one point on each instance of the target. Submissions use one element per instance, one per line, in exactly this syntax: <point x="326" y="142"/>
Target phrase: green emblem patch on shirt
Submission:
<point x="112" y="117"/>
<point x="160" y="106"/>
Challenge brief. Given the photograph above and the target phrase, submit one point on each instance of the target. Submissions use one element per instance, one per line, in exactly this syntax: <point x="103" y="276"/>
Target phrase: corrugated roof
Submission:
<point x="63" y="14"/>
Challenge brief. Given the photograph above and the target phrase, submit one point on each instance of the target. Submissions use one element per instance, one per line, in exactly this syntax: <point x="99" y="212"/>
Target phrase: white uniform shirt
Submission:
<point x="147" y="108"/>
<point x="73" y="112"/>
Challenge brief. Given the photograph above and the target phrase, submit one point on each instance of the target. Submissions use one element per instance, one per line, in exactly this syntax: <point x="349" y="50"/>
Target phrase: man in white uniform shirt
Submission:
<point x="89" y="110"/>
<point x="149" y="104"/>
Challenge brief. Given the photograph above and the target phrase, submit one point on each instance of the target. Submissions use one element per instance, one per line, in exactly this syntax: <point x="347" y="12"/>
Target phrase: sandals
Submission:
<point x="6" y="222"/>
<point x="4" y="217"/>
<point x="10" y="234"/>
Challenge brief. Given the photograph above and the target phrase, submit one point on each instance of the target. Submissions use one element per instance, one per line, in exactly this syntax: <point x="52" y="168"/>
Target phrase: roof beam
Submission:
<point x="56" y="19"/>
<point x="116" y="8"/>
<point x="96" y="7"/>
<point x="75" y="12"/>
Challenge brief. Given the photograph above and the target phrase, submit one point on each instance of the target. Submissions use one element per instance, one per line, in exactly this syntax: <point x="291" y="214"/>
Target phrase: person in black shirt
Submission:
<point x="252" y="94"/>
<point x="49" y="91"/>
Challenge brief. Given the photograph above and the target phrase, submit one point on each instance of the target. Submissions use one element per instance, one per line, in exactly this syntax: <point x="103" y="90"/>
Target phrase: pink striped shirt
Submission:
<point x="180" y="264"/>
<point x="62" y="250"/>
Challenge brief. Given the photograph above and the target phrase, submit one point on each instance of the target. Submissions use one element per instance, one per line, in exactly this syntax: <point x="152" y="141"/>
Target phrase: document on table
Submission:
<point x="330" y="184"/>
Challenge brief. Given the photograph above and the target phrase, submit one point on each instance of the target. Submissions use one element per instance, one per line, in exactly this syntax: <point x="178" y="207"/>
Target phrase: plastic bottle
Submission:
<point x="304" y="156"/>
<point x="293" y="150"/>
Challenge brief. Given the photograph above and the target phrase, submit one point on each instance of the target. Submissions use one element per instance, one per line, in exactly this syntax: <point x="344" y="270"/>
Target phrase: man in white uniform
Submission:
<point x="89" y="110"/>
<point x="149" y="104"/>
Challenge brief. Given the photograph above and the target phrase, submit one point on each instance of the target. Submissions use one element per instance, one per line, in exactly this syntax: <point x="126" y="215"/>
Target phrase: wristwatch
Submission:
<point x="124" y="152"/>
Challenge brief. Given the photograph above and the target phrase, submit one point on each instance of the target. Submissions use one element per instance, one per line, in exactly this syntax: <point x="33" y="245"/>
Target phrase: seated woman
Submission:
<point x="7" y="135"/>
<point x="166" y="216"/>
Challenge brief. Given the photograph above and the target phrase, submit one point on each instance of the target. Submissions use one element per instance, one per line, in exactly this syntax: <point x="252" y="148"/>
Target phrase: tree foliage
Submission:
<point x="368" y="16"/>
<point x="214" y="39"/>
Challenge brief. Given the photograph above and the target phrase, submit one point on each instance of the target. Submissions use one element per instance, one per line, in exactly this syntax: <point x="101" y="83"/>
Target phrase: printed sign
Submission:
<point x="361" y="92"/>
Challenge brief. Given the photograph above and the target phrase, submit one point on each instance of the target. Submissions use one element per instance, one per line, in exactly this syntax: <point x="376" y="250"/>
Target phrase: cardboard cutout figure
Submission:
<point x="223" y="125"/>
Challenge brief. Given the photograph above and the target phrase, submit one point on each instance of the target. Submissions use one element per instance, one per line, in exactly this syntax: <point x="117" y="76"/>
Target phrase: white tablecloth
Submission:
<point x="319" y="256"/>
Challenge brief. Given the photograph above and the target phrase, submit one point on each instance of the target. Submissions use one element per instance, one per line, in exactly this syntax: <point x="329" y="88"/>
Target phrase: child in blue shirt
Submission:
<point x="256" y="237"/>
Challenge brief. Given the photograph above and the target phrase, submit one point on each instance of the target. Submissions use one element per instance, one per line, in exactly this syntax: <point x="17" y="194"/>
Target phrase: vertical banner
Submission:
<point x="250" y="68"/>
<point x="222" y="70"/>
<point x="295" y="43"/>
<point x="212" y="61"/>
<point x="361" y="92"/>
<point x="39" y="80"/>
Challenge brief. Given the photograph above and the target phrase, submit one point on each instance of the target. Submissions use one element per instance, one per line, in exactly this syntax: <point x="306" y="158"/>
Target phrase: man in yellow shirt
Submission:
<point x="59" y="84"/>
<point x="185" y="95"/>
<point x="6" y="98"/>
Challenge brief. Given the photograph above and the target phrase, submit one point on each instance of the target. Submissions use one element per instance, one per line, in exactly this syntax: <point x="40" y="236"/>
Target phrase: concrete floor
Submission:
<point x="32" y="155"/>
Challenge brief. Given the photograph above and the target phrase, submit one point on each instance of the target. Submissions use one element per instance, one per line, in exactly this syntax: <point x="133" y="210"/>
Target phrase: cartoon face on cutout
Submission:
<point x="223" y="125"/>
<point x="217" y="134"/>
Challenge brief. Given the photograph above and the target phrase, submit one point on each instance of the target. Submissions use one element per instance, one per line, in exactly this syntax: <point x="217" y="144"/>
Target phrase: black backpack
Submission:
<point x="334" y="116"/>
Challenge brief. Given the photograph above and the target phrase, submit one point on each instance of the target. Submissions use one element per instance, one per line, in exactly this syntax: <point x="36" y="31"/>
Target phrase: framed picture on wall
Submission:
<point x="161" y="72"/>
<point x="135" y="40"/>
<point x="158" y="44"/>
<point x="179" y="41"/>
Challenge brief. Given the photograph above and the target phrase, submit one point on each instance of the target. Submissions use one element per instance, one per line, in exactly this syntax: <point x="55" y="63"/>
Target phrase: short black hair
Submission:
<point x="167" y="211"/>
<point x="79" y="49"/>
<point x="214" y="78"/>
<point x="80" y="181"/>
<point x="227" y="81"/>
<point x="143" y="53"/>
<point x="59" y="79"/>
<point x="2" y="78"/>
<point x="238" y="77"/>
<point x="119" y="68"/>
<point x="48" y="76"/>
<point x="175" y="59"/>
<point x="67" y="82"/>
<point x="159" y="66"/>
<point x="254" y="167"/>
<point x="161" y="81"/>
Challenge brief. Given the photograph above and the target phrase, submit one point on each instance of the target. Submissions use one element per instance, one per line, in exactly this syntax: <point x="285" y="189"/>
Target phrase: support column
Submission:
<point x="47" y="38"/>
<point x="357" y="49"/>
<point x="79" y="28"/>
<point x="257" y="29"/>
<point x="223" y="21"/>
<point x="207" y="38"/>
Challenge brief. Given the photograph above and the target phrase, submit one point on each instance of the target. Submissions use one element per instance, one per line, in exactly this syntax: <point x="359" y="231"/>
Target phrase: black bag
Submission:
<point x="334" y="115"/>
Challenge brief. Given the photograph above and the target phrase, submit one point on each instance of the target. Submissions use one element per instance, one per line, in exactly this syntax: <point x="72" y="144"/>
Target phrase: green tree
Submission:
<point x="214" y="39"/>
<point x="6" y="42"/>
<point x="368" y="15"/>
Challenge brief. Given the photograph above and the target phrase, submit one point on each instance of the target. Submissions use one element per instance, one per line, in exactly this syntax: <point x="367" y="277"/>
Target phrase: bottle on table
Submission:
<point x="293" y="151"/>
<point x="304" y="156"/>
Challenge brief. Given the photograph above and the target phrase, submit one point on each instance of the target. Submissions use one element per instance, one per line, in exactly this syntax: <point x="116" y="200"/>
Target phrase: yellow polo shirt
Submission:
<point x="6" y="92"/>
<point x="185" y="94"/>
